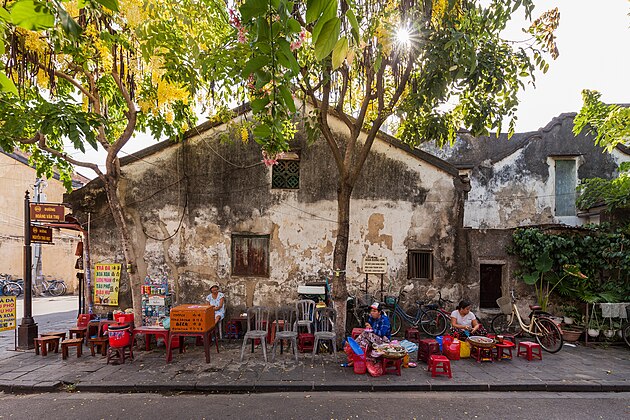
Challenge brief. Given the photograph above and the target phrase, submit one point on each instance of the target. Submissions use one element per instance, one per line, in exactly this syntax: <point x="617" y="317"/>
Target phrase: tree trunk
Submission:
<point x="111" y="188"/>
<point x="340" y="256"/>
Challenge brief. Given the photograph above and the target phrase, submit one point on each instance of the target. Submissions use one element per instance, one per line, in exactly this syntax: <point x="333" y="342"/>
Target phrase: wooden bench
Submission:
<point x="98" y="343"/>
<point x="117" y="354"/>
<point x="46" y="344"/>
<point x="71" y="342"/>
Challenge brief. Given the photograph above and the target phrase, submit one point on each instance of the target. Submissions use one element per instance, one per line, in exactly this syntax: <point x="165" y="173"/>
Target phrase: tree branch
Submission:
<point x="43" y="146"/>
<point x="131" y="114"/>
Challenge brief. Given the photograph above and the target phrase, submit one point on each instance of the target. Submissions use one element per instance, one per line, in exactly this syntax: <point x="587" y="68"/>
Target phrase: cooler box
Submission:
<point x="192" y="318"/>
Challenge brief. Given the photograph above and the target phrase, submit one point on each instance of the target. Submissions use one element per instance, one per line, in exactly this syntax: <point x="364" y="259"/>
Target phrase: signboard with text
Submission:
<point x="7" y="313"/>
<point x="41" y="234"/>
<point x="42" y="212"/>
<point x="374" y="265"/>
<point x="106" y="284"/>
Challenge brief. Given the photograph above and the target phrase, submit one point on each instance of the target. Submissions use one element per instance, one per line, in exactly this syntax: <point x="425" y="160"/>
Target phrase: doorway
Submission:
<point x="490" y="280"/>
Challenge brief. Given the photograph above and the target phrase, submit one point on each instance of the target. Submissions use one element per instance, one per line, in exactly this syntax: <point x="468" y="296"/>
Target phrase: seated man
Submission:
<point x="379" y="322"/>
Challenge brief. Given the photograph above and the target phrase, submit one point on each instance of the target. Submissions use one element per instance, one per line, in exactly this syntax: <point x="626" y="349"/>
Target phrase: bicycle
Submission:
<point x="52" y="287"/>
<point x="10" y="287"/>
<point x="625" y="328"/>
<point x="429" y="318"/>
<point x="357" y="311"/>
<point x="541" y="326"/>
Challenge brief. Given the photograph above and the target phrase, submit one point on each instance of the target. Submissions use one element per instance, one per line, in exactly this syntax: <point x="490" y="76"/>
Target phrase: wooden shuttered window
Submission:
<point x="420" y="265"/>
<point x="250" y="255"/>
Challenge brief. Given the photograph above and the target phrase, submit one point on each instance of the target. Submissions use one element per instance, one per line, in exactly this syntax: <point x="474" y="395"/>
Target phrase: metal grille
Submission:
<point x="419" y="265"/>
<point x="286" y="174"/>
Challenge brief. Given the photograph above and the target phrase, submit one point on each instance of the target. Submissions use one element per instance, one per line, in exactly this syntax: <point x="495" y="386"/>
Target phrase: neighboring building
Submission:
<point x="206" y="210"/>
<point x="58" y="259"/>
<point x="527" y="180"/>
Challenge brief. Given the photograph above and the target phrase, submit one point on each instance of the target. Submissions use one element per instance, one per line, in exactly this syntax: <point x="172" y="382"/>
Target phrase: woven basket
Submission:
<point x="505" y="304"/>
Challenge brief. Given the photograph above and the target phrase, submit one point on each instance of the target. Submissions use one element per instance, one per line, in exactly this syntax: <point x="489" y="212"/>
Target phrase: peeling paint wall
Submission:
<point x="186" y="200"/>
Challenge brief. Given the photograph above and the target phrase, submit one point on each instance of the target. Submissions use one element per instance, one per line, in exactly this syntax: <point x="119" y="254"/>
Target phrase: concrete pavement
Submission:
<point x="573" y="369"/>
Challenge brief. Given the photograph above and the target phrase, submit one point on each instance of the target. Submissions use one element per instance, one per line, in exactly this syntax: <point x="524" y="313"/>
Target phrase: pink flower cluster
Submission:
<point x="269" y="160"/>
<point x="297" y="44"/>
<point x="235" y="21"/>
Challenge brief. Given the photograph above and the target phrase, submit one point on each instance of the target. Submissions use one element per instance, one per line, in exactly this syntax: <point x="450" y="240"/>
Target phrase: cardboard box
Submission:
<point x="192" y="318"/>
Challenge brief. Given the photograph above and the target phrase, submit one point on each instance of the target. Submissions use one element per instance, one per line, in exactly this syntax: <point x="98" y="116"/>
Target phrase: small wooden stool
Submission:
<point x="54" y="333"/>
<point x="46" y="344"/>
<point x="391" y="365"/>
<point x="71" y="342"/>
<point x="412" y="334"/>
<point x="436" y="362"/>
<point x="98" y="343"/>
<point x="78" y="332"/>
<point x="117" y="354"/>
<point x="530" y="350"/>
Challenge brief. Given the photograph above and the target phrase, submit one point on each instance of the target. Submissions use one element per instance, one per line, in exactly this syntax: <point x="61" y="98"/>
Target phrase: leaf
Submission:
<point x="531" y="278"/>
<point x="30" y="15"/>
<point x="287" y="98"/>
<point x="293" y="26"/>
<point x="254" y="64"/>
<point x="328" y="38"/>
<point x="354" y="24"/>
<point x="262" y="130"/>
<point x="544" y="263"/>
<point x="252" y="8"/>
<point x="339" y="52"/>
<point x="330" y="11"/>
<point x="4" y="15"/>
<point x="81" y="4"/>
<point x="69" y="25"/>
<point x="110" y="4"/>
<point x="314" y="9"/>
<point x="7" y="85"/>
<point x="258" y="104"/>
<point x="285" y="51"/>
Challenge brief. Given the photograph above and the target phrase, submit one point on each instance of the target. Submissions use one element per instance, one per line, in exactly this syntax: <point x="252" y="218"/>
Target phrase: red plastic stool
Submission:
<point x="232" y="329"/>
<point x="503" y="351"/>
<point x="439" y="362"/>
<point x="391" y="365"/>
<point x="530" y="350"/>
<point x="356" y="332"/>
<point x="306" y="342"/>
<point x="412" y="334"/>
<point x="426" y="348"/>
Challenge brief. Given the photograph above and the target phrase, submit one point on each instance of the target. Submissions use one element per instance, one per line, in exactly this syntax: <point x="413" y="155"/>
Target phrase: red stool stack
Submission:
<point x="391" y="365"/>
<point x="412" y="334"/>
<point x="232" y="329"/>
<point x="426" y="348"/>
<point x="306" y="342"/>
<point x="439" y="362"/>
<point x="356" y="332"/>
<point x="530" y="350"/>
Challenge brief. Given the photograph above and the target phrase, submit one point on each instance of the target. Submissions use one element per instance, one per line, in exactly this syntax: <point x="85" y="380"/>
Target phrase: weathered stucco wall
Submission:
<point x="184" y="202"/>
<point x="57" y="260"/>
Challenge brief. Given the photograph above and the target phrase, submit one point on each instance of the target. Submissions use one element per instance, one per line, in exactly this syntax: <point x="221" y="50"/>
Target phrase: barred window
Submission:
<point x="286" y="174"/>
<point x="420" y="265"/>
<point x="250" y="255"/>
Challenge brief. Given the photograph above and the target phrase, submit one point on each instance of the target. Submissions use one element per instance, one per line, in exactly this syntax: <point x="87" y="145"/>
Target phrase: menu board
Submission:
<point x="106" y="284"/>
<point x="7" y="313"/>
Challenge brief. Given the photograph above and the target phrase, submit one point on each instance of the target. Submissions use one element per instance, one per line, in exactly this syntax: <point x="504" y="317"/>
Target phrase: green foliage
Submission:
<point x="598" y="252"/>
<point x="613" y="193"/>
<point x="609" y="123"/>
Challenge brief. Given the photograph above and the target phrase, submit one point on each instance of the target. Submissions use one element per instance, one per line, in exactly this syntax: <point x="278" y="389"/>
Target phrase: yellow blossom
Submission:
<point x="170" y="117"/>
<point x="244" y="135"/>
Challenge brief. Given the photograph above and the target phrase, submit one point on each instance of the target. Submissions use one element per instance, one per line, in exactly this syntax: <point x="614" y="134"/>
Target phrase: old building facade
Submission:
<point x="206" y="210"/>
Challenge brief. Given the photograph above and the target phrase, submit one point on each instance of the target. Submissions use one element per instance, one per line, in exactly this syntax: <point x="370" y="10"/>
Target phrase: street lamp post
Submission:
<point x="27" y="331"/>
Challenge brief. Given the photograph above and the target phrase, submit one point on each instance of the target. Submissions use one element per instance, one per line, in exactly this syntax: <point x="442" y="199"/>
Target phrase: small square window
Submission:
<point x="286" y="174"/>
<point x="420" y="265"/>
<point x="250" y="255"/>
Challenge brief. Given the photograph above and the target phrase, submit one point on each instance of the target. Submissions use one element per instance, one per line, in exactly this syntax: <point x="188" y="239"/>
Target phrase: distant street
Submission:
<point x="326" y="405"/>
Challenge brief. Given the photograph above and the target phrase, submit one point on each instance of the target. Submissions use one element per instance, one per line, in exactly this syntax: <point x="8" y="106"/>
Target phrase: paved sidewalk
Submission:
<point x="572" y="369"/>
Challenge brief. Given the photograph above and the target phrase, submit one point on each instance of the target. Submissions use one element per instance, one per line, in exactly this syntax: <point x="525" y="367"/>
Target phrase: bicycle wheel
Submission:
<point x="626" y="333"/>
<point x="548" y="334"/>
<point x="57" y="288"/>
<point x="12" y="289"/>
<point x="433" y="322"/>
<point x="505" y="324"/>
<point x="396" y="323"/>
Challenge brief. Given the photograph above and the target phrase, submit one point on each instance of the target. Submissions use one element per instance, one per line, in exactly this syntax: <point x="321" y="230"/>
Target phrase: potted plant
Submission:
<point x="593" y="326"/>
<point x="571" y="314"/>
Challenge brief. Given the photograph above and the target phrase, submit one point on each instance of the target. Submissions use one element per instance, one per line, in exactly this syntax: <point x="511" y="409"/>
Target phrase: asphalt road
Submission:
<point x="319" y="406"/>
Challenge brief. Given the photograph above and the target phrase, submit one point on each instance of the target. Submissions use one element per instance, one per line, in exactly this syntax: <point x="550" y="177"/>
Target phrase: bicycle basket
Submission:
<point x="431" y="306"/>
<point x="505" y="303"/>
<point x="391" y="300"/>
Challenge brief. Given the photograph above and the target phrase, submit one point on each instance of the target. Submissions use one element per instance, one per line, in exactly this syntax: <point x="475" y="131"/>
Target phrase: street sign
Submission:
<point x="47" y="212"/>
<point x="41" y="234"/>
<point x="7" y="313"/>
<point x="374" y="265"/>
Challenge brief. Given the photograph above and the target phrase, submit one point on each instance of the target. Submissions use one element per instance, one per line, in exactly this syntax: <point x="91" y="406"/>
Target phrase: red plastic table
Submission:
<point x="148" y="332"/>
<point x="206" y="335"/>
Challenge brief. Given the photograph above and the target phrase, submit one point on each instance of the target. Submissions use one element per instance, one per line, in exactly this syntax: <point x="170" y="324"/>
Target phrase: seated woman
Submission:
<point x="216" y="299"/>
<point x="464" y="323"/>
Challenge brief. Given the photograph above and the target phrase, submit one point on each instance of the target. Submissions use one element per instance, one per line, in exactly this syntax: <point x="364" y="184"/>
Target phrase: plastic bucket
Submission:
<point x="359" y="365"/>
<point x="119" y="335"/>
<point x="124" y="318"/>
<point x="464" y="349"/>
<point x="453" y="350"/>
<point x="439" y="340"/>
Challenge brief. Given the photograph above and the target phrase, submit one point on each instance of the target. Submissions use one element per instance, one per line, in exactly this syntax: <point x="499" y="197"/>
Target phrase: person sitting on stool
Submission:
<point x="379" y="322"/>
<point x="464" y="323"/>
<point x="216" y="299"/>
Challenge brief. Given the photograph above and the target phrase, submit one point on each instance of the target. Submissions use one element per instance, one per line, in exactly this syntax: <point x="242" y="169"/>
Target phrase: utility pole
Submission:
<point x="27" y="331"/>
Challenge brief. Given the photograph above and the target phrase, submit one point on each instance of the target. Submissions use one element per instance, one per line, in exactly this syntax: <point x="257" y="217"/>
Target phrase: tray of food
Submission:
<point x="390" y="351"/>
<point x="481" y="341"/>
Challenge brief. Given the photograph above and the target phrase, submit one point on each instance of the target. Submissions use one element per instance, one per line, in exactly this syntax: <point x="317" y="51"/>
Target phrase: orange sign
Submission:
<point x="47" y="212"/>
<point x="192" y="318"/>
<point x="41" y="234"/>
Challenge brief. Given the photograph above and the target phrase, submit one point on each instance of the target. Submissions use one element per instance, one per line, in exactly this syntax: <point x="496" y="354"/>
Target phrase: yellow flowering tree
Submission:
<point x="94" y="72"/>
